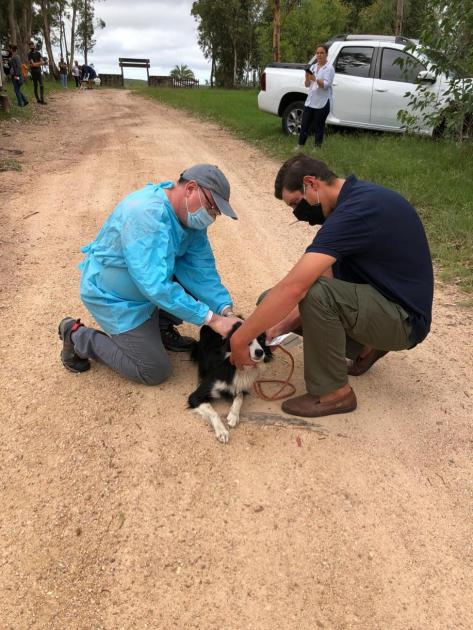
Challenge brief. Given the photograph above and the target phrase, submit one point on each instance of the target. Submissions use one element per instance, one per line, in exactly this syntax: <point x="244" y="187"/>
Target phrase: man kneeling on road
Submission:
<point x="363" y="287"/>
<point x="150" y="267"/>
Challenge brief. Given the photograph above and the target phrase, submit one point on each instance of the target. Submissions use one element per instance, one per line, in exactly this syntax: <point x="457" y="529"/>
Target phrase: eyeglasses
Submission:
<point x="211" y="207"/>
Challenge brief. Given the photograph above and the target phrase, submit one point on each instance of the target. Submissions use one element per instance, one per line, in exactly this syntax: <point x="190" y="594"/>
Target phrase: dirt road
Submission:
<point x="120" y="510"/>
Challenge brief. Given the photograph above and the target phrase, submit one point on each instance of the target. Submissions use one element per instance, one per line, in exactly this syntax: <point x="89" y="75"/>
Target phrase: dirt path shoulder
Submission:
<point x="119" y="508"/>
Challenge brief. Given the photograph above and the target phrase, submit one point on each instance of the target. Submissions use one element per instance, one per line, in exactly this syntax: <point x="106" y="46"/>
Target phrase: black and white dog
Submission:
<point x="218" y="377"/>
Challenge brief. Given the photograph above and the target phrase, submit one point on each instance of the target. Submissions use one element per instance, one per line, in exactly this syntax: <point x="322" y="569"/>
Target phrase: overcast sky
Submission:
<point x="162" y="31"/>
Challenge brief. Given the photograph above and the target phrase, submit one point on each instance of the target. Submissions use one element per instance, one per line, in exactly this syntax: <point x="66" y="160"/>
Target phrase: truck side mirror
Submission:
<point x="425" y="76"/>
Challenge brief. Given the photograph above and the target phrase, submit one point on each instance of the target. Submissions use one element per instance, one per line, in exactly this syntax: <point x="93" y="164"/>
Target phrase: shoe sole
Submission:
<point x="74" y="370"/>
<point x="68" y="367"/>
<point x="177" y="349"/>
<point x="322" y="415"/>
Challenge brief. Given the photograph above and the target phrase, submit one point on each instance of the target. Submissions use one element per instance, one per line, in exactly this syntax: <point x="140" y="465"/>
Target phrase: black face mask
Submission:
<point x="313" y="215"/>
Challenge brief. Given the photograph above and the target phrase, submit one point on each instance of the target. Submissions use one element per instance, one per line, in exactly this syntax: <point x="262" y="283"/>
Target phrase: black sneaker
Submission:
<point x="69" y="358"/>
<point x="174" y="341"/>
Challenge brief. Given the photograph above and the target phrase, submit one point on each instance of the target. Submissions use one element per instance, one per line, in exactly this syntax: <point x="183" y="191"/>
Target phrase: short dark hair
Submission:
<point x="292" y="172"/>
<point x="13" y="47"/>
<point x="324" y="46"/>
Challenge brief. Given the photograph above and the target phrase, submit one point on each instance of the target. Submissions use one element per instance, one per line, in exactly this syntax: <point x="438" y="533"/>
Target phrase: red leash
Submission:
<point x="278" y="395"/>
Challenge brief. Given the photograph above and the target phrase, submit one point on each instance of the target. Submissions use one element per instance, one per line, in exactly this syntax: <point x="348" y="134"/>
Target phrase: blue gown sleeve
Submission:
<point x="197" y="272"/>
<point x="149" y="251"/>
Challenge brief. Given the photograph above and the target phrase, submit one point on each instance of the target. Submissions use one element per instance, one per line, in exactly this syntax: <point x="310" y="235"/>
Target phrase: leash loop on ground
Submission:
<point x="279" y="395"/>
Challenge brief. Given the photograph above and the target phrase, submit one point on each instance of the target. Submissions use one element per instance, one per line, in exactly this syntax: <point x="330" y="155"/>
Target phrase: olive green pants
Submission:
<point x="340" y="318"/>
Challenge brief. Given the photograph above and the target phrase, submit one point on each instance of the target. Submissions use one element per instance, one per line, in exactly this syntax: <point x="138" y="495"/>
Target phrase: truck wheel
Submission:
<point x="292" y="118"/>
<point x="439" y="130"/>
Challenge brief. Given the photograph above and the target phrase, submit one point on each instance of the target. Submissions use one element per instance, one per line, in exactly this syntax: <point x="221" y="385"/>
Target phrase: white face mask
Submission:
<point x="200" y="219"/>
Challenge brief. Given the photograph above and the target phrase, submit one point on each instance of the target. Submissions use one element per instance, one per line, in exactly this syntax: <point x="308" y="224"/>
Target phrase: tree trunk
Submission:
<point x="12" y="22"/>
<point x="277" y="30"/>
<point x="86" y="8"/>
<point x="66" y="51"/>
<point x="212" y="70"/>
<point x="47" y="38"/>
<point x="235" y="64"/>
<point x="73" y="35"/>
<point x="61" y="28"/>
<point x="399" y="17"/>
<point x="25" y="29"/>
<point x="65" y="45"/>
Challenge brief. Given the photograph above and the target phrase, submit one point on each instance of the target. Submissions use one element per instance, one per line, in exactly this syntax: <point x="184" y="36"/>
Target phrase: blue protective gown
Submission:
<point x="132" y="266"/>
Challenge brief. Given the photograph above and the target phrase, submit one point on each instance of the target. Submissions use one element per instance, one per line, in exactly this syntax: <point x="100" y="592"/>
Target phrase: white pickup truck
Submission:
<point x="368" y="89"/>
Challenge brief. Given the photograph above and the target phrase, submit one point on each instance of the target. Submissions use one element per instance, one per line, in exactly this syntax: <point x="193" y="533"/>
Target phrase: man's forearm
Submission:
<point x="291" y="321"/>
<point x="276" y="306"/>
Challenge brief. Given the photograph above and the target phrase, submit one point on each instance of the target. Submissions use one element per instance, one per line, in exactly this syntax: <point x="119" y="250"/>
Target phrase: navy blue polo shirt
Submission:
<point x="378" y="238"/>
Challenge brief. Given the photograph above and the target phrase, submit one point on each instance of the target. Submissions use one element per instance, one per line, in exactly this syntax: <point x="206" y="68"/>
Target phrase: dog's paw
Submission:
<point x="233" y="419"/>
<point x="222" y="434"/>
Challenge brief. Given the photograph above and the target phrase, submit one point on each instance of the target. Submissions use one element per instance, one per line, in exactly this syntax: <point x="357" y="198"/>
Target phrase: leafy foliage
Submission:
<point x="446" y="40"/>
<point x="226" y="31"/>
<point x="237" y="35"/>
<point x="311" y="23"/>
<point x="87" y="26"/>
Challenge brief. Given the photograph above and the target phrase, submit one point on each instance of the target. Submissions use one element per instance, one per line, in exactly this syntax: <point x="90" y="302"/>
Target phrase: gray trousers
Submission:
<point x="138" y="354"/>
<point x="340" y="318"/>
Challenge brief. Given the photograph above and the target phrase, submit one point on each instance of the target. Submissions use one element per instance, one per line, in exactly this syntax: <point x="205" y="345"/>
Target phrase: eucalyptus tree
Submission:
<point x="226" y="35"/>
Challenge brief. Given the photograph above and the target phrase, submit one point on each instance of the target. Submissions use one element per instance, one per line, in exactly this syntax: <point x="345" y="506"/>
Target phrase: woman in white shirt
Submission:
<point x="319" y="79"/>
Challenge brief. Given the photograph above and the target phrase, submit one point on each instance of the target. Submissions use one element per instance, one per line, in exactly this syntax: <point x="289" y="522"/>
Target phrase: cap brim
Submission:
<point x="224" y="206"/>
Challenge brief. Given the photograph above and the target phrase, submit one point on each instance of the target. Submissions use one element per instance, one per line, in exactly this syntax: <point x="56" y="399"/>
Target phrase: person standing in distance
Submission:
<point x="318" y="78"/>
<point x="36" y="64"/>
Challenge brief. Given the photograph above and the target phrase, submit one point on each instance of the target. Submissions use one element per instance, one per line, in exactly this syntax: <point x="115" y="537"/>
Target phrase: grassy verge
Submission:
<point x="436" y="176"/>
<point x="25" y="113"/>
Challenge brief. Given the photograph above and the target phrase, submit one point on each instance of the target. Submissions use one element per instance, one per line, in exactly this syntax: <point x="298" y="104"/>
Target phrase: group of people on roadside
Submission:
<point x="19" y="71"/>
<point x="82" y="75"/>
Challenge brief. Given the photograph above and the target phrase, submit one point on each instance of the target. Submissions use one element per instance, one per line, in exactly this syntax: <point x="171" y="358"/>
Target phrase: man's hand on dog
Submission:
<point x="223" y="325"/>
<point x="240" y="356"/>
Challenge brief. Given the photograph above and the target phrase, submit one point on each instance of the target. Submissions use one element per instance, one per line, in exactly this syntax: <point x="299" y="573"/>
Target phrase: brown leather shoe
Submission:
<point x="360" y="366"/>
<point x="309" y="406"/>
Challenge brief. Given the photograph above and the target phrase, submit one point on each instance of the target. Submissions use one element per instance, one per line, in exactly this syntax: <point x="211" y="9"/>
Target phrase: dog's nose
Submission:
<point x="258" y="353"/>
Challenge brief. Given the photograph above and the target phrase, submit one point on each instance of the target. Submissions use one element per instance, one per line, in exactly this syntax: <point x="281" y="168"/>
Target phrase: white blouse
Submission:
<point x="318" y="96"/>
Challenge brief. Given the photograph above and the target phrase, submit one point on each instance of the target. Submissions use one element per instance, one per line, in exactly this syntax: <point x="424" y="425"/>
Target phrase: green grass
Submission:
<point x="25" y="113"/>
<point x="436" y="176"/>
<point x="9" y="164"/>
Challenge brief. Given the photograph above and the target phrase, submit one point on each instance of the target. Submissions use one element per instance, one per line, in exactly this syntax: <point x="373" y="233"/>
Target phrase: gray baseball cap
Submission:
<point x="212" y="178"/>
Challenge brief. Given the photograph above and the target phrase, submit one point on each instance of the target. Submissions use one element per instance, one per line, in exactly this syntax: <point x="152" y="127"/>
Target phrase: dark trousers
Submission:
<point x="317" y="117"/>
<point x="38" y="81"/>
<point x="338" y="320"/>
<point x="138" y="354"/>
<point x="20" y="97"/>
